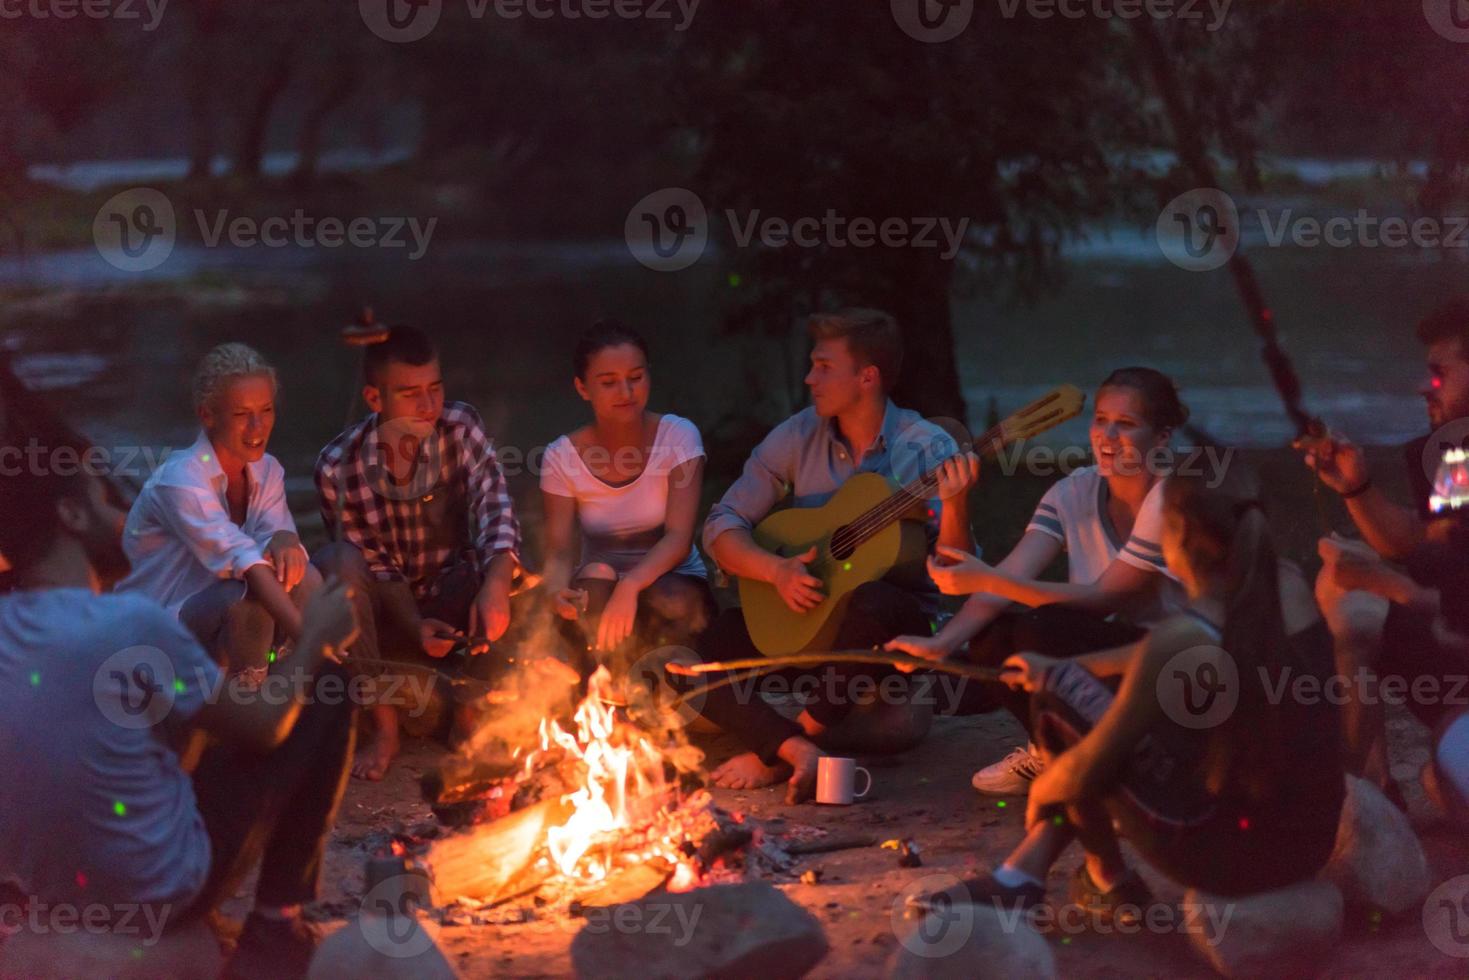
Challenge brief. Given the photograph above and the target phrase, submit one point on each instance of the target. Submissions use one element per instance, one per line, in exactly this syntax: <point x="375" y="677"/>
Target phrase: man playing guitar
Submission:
<point x="851" y="427"/>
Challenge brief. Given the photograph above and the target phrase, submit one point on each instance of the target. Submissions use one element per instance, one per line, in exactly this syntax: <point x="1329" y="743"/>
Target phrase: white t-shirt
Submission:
<point x="621" y="524"/>
<point x="1074" y="512"/>
<point x="93" y="804"/>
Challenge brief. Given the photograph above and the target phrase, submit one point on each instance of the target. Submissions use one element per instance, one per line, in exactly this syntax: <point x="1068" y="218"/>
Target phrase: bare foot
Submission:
<point x="803" y="757"/>
<point x="374" y="758"/>
<point x="746" y="771"/>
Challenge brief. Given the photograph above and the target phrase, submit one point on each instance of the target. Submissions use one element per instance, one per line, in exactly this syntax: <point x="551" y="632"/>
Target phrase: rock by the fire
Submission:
<point x="727" y="931"/>
<point x="1273" y="934"/>
<point x="1378" y="863"/>
<point x="964" y="941"/>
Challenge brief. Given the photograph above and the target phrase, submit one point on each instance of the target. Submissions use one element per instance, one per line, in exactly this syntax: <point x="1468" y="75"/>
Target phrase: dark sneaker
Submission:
<point x="982" y="890"/>
<point x="1126" y="903"/>
<point x="273" y="949"/>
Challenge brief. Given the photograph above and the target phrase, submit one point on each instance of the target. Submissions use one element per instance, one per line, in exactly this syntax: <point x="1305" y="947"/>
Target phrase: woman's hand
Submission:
<point x="923" y="647"/>
<point x="284" y="553"/>
<point x="1027" y="671"/>
<point x="1054" y="787"/>
<point x="617" y="618"/>
<point x="570" y="603"/>
<point x="958" y="572"/>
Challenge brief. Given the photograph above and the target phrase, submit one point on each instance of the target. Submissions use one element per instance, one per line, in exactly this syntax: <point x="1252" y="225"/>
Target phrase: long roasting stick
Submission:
<point x="755" y="666"/>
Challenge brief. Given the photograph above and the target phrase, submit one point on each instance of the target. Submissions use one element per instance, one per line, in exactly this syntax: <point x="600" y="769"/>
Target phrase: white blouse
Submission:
<point x="179" y="536"/>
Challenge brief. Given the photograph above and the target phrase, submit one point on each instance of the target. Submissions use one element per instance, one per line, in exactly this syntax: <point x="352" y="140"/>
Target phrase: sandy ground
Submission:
<point x="923" y="794"/>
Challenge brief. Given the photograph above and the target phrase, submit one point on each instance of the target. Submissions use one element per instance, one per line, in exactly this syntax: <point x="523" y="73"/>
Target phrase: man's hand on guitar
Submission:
<point x="798" y="588"/>
<point x="1336" y="459"/>
<point x="957" y="474"/>
<point x="957" y="572"/>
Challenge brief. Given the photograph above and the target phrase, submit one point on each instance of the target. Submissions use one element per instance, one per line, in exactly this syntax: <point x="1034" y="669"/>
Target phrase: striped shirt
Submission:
<point x="1074" y="512"/>
<point x="455" y="506"/>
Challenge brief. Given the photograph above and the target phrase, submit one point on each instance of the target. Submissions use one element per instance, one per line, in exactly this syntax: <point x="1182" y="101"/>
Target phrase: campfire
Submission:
<point x="603" y="809"/>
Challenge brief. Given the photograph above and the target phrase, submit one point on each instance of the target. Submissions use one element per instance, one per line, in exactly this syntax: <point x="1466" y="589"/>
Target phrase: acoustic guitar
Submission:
<point x="869" y="530"/>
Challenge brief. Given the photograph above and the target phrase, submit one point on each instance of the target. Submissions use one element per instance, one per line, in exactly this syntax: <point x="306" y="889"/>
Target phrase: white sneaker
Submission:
<point x="1011" y="776"/>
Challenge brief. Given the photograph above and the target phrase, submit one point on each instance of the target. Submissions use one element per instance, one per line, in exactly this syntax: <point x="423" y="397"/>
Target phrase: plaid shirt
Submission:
<point x="397" y="527"/>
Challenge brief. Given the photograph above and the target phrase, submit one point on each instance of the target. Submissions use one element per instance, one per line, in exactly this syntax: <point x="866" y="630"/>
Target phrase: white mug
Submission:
<point x="835" y="778"/>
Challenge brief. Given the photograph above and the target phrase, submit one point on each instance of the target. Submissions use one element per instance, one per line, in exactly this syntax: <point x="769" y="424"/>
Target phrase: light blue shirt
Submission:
<point x="94" y="807"/>
<point x="807" y="459"/>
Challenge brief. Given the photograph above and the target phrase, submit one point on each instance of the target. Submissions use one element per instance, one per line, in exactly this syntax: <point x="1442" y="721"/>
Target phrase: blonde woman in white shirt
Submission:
<point x="210" y="536"/>
<point x="630" y="483"/>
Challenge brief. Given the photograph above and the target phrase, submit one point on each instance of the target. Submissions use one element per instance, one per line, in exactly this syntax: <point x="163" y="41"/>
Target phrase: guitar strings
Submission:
<point x="874" y="520"/>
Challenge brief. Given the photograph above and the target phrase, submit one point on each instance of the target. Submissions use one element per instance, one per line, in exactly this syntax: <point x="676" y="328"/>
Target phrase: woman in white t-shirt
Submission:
<point x="1107" y="519"/>
<point x="630" y="482"/>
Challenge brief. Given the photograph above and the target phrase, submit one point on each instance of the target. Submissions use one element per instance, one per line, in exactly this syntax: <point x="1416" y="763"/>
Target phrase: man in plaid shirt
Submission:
<point x="422" y="523"/>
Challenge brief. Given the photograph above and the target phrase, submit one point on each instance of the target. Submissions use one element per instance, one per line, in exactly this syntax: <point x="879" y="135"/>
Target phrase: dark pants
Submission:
<point x="236" y="628"/>
<point x="1410" y="649"/>
<point x="876" y="612"/>
<point x="1162" y="805"/>
<point x="1056" y="630"/>
<point x="389" y="614"/>
<point x="674" y="611"/>
<point x="277" y="806"/>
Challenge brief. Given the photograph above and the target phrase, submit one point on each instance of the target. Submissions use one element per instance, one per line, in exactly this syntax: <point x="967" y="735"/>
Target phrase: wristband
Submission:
<point x="1366" y="485"/>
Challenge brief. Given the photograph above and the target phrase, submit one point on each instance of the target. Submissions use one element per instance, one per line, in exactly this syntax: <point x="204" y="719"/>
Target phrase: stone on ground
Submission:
<point x="967" y="941"/>
<point x="1378" y="863"/>
<point x="727" y="931"/>
<point x="1273" y="934"/>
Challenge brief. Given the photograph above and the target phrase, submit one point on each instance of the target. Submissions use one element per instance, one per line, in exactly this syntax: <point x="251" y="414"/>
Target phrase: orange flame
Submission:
<point x="622" y="786"/>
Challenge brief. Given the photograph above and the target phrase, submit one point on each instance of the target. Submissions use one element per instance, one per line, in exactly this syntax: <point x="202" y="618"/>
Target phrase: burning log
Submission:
<point x="495" y="861"/>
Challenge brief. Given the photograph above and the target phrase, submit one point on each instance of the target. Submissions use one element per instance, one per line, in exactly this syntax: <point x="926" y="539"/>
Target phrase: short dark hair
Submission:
<point x="872" y="336"/>
<point x="403" y="345"/>
<point x="1162" y="407"/>
<point x="598" y="337"/>
<point x="28" y="499"/>
<point x="1447" y="322"/>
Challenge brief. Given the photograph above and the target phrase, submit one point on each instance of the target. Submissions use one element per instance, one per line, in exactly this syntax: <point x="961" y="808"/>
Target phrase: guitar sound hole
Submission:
<point x="842" y="544"/>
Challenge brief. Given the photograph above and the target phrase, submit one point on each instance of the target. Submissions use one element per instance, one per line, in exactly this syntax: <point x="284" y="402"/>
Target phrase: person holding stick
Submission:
<point x="133" y="776"/>
<point x="1107" y="520"/>
<point x="1379" y="621"/>
<point x="422" y="524"/>
<point x="1233" y="792"/>
<point x="630" y="483"/>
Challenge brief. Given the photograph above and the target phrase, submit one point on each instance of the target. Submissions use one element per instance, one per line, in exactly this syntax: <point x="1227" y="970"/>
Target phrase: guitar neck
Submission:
<point x="1037" y="417"/>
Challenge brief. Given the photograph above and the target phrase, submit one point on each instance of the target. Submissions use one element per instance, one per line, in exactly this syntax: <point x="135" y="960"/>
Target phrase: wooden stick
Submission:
<point x="755" y="666"/>
<point x="817" y="657"/>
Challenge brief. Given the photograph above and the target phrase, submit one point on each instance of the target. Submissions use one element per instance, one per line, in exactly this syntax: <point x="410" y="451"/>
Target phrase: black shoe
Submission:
<point x="277" y="949"/>
<point x="1127" y="901"/>
<point x="983" y="890"/>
